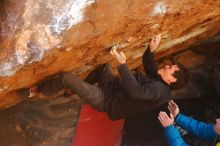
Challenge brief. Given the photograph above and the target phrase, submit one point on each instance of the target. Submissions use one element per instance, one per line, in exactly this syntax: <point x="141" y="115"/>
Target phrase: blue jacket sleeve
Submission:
<point x="199" y="129"/>
<point x="173" y="136"/>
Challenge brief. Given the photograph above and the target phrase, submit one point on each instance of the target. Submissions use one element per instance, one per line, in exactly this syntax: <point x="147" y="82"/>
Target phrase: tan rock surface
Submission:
<point x="39" y="38"/>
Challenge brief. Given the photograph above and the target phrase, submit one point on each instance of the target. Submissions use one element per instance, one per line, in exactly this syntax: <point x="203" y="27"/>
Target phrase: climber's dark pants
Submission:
<point x="91" y="94"/>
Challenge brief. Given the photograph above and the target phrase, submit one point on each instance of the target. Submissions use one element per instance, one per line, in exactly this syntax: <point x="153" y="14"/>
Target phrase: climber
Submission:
<point x="207" y="132"/>
<point x="120" y="97"/>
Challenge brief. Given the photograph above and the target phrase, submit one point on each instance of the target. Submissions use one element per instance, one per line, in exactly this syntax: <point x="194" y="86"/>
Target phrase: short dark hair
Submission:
<point x="182" y="75"/>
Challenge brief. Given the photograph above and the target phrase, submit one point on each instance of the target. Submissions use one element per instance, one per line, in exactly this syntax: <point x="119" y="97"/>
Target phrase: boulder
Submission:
<point x="43" y="37"/>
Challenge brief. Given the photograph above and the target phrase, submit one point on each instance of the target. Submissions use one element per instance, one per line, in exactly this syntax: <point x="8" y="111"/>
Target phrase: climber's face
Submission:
<point x="167" y="72"/>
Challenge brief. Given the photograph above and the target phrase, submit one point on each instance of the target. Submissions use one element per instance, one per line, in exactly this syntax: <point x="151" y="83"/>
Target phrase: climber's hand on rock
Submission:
<point x="154" y="43"/>
<point x="120" y="57"/>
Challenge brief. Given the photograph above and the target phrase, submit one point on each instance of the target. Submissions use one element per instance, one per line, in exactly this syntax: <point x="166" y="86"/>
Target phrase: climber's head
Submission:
<point x="174" y="75"/>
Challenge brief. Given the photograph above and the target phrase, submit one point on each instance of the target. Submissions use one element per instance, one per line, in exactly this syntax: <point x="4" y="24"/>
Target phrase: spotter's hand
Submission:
<point x="165" y="120"/>
<point x="173" y="108"/>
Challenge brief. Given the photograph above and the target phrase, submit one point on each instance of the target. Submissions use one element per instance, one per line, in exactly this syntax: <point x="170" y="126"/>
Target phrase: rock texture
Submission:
<point x="40" y="122"/>
<point x="43" y="37"/>
<point x="52" y="122"/>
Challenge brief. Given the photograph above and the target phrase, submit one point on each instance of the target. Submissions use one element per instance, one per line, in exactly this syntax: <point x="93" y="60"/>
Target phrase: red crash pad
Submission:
<point x="96" y="129"/>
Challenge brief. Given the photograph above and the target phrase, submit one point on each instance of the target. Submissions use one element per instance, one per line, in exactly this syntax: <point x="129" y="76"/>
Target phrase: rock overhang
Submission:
<point x="40" y="38"/>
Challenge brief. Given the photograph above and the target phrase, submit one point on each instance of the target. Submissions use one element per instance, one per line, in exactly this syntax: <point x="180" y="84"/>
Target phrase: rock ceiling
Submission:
<point x="43" y="37"/>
